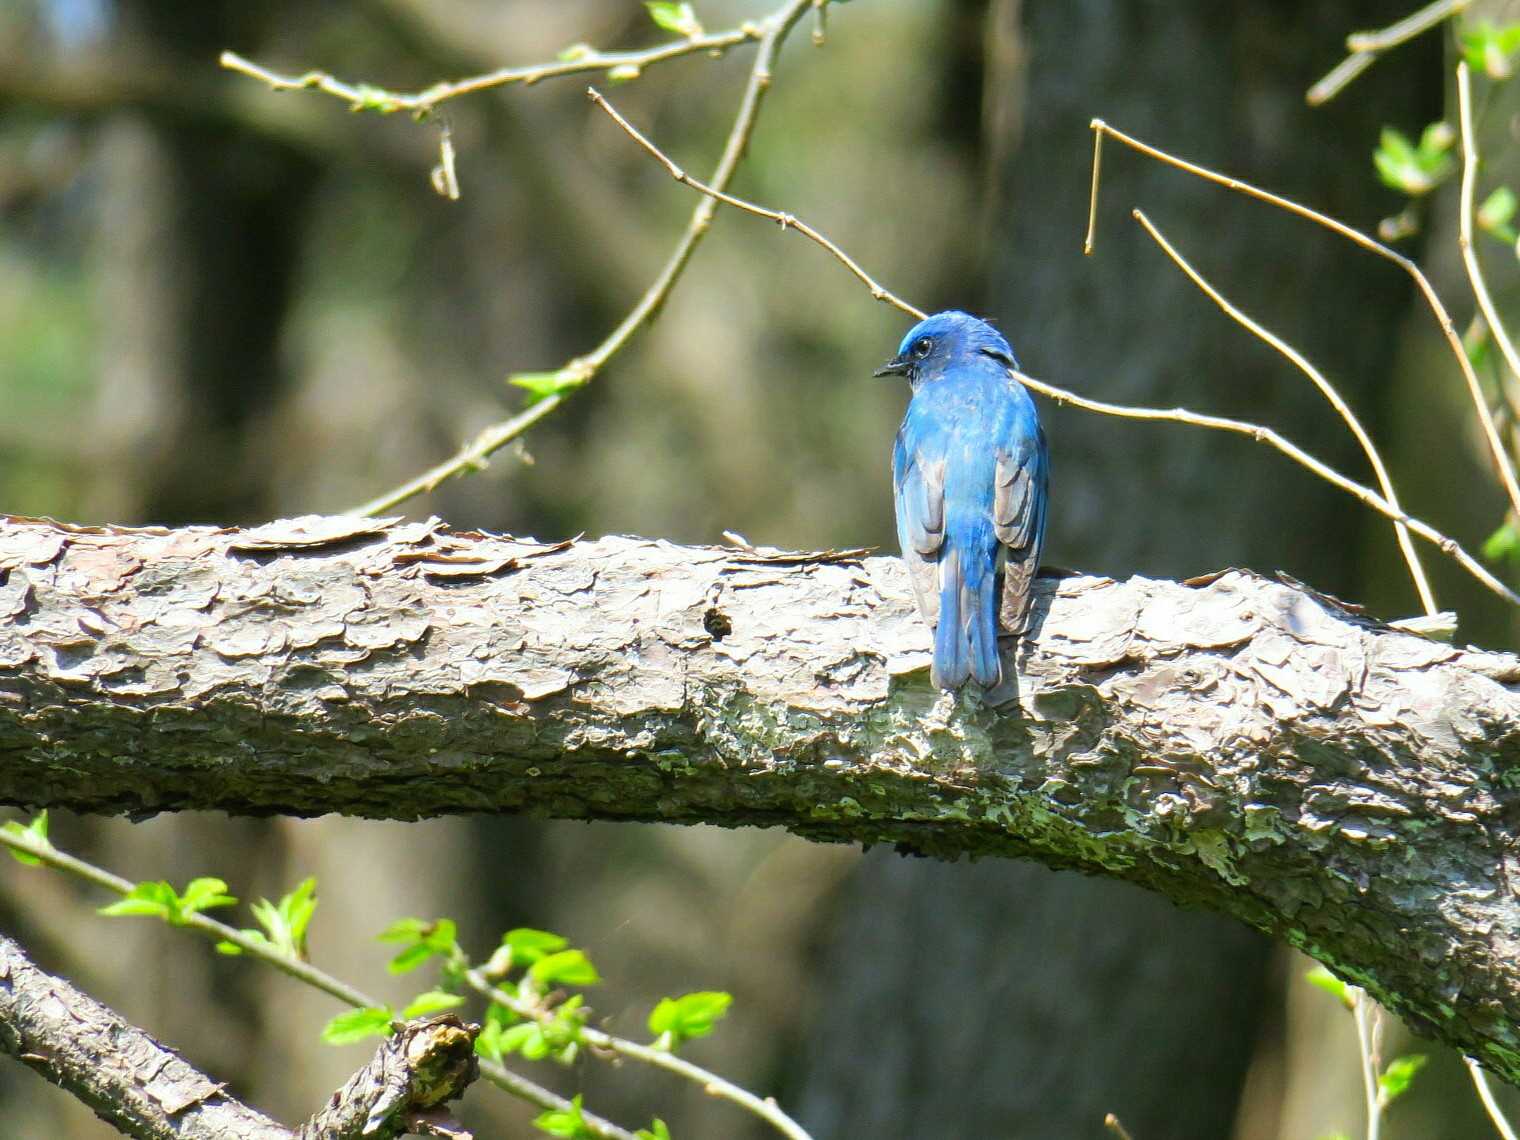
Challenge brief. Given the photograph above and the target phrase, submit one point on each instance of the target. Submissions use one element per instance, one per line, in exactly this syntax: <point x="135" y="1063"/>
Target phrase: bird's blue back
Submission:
<point x="970" y="474"/>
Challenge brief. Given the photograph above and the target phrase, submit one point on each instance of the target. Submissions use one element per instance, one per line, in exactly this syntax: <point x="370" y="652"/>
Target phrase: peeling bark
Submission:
<point x="1235" y="743"/>
<point x="137" y="1085"/>
<point x="402" y="1090"/>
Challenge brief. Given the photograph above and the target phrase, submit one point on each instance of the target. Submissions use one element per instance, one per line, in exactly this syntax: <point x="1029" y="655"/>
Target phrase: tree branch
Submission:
<point x="1234" y="742"/>
<point x="146" y="1090"/>
<point x="414" y="1072"/>
<point x="129" y="1079"/>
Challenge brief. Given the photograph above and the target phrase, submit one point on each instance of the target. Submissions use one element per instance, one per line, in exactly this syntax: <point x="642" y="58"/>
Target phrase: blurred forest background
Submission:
<point x="219" y="304"/>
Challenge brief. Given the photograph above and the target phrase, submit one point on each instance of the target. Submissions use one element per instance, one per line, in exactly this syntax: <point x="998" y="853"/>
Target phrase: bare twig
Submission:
<point x="1326" y="389"/>
<point x="1272" y="439"/>
<point x="773" y="32"/>
<point x="498" y="1075"/>
<point x="714" y="1085"/>
<point x="1465" y="226"/>
<point x="366" y="97"/>
<point x="1175" y="415"/>
<point x="1365" y="47"/>
<point x="1366" y="1032"/>
<point x="472" y="457"/>
<point x="1486" y="1095"/>
<point x="1111" y="1122"/>
<point x="784" y="220"/>
<point x="1496" y="448"/>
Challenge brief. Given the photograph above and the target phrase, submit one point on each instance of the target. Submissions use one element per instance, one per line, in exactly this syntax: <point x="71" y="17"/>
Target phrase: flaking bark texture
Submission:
<point x="413" y="1074"/>
<point x="129" y="1079"/>
<point x="1236" y="743"/>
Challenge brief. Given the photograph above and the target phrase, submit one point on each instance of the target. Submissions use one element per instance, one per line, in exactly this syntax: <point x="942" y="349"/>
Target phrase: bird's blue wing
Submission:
<point x="1018" y="515"/>
<point x="918" y="484"/>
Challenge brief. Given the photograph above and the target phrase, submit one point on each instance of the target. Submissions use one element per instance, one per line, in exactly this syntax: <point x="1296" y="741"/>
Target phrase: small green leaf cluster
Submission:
<point x="421" y="941"/>
<point x="676" y="1020"/>
<point x="283" y="924"/>
<point x="1415" y="168"/>
<point x="160" y="900"/>
<point x="1490" y="48"/>
<point x="569" y="1123"/>
<point x="544" y="962"/>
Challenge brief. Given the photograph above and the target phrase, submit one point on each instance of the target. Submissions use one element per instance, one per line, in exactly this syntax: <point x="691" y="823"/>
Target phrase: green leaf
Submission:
<point x="529" y="945"/>
<point x="431" y="1002"/>
<point x="1488" y="49"/>
<point x="1498" y="208"/>
<point x="622" y="73"/>
<point x="570" y="1124"/>
<point x="1394" y="1081"/>
<point x="1325" y="980"/>
<point x="1504" y="543"/>
<point x="410" y="958"/>
<point x="284" y="923"/>
<point x="542" y="385"/>
<point x="1411" y="169"/>
<point x="422" y="940"/>
<point x="565" y="968"/>
<point x="675" y="1020"/>
<point x="657" y="1131"/>
<point x="1497" y="211"/>
<point x="34" y="834"/>
<point x="202" y="894"/>
<point x="404" y="930"/>
<point x="576" y="52"/>
<point x="160" y="900"/>
<point x="357" y="1024"/>
<point x="527" y="1039"/>
<point x="674" y="17"/>
<point x="1435" y="140"/>
<point x="156" y="899"/>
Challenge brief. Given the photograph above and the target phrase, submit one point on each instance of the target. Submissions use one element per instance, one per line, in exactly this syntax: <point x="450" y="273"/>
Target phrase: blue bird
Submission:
<point x="971" y="474"/>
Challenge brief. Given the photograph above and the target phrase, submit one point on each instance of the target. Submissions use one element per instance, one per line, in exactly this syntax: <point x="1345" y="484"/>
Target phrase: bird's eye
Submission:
<point x="922" y="346"/>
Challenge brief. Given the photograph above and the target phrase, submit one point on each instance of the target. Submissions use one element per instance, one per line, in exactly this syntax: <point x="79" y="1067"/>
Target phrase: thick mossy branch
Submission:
<point x="1235" y="743"/>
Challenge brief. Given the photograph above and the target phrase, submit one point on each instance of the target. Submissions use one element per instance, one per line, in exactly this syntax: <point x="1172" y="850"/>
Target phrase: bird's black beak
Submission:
<point x="897" y="366"/>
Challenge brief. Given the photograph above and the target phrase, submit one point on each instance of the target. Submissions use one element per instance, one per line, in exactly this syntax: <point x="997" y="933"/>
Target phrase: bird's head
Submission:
<point x="944" y="339"/>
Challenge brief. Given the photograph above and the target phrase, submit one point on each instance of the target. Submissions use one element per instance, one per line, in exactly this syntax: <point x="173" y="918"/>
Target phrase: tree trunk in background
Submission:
<point x="1014" y="1002"/>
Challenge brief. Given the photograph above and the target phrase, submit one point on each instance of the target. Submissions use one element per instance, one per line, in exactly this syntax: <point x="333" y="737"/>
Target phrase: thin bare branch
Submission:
<point x="1365" y="1012"/>
<point x="1465" y="226"/>
<point x="367" y="97"/>
<point x="1490" y="1105"/>
<point x="1272" y="439"/>
<point x="1501" y="459"/>
<point x="1326" y="389"/>
<point x="1365" y="47"/>
<point x="773" y="32"/>
<point x="784" y="220"/>
<point x="472" y="457"/>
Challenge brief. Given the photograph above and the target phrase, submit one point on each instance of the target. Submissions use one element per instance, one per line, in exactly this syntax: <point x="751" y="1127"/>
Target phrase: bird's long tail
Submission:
<point x="965" y="641"/>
